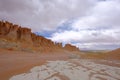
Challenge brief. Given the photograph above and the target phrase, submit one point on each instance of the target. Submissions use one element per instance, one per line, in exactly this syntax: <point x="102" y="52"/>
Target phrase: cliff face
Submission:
<point x="24" y="36"/>
<point x="14" y="32"/>
<point x="41" y="41"/>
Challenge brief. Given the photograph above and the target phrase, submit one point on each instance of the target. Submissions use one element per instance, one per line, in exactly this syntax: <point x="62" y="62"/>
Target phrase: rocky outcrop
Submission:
<point x="24" y="36"/>
<point x="8" y="30"/>
<point x="70" y="47"/>
<point x="4" y="27"/>
<point x="41" y="41"/>
<point x="59" y="45"/>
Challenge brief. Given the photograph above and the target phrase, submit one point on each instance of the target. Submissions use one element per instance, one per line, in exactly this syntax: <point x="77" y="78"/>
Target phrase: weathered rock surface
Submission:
<point x="71" y="70"/>
<point x="15" y="33"/>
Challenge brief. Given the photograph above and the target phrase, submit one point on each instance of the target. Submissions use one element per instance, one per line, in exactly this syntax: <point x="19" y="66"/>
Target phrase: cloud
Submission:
<point x="103" y="14"/>
<point x="18" y="11"/>
<point x="98" y="29"/>
<point x="90" y="39"/>
<point x="42" y="15"/>
<point x="88" y="24"/>
<point x="87" y="36"/>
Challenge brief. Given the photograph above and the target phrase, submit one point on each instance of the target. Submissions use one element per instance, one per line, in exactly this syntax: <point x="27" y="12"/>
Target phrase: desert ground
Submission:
<point x="75" y="69"/>
<point x="16" y="65"/>
<point x="16" y="62"/>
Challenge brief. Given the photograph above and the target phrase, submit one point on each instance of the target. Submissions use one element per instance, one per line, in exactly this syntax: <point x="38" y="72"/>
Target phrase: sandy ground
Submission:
<point x="14" y="62"/>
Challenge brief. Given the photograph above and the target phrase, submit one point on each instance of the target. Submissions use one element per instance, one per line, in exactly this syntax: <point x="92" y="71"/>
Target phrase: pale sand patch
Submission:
<point x="76" y="69"/>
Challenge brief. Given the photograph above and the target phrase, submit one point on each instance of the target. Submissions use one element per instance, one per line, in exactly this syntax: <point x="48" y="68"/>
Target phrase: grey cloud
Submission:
<point x="13" y="6"/>
<point x="42" y="14"/>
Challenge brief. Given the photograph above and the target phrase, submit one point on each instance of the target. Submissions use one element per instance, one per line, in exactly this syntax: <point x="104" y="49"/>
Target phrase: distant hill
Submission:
<point x="110" y="55"/>
<point x="15" y="37"/>
<point x="114" y="54"/>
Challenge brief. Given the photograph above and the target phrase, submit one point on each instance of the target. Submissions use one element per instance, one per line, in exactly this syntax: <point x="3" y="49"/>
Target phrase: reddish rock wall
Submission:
<point x="16" y="33"/>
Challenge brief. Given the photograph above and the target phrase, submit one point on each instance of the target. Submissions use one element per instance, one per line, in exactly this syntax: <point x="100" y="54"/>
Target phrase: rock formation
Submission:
<point x="70" y="47"/>
<point x="14" y="33"/>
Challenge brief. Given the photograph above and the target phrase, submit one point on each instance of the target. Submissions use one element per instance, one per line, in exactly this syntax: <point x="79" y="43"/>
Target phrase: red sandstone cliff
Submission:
<point x="25" y="38"/>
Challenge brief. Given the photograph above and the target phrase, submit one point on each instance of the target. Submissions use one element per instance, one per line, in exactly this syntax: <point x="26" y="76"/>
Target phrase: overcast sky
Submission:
<point x="88" y="24"/>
